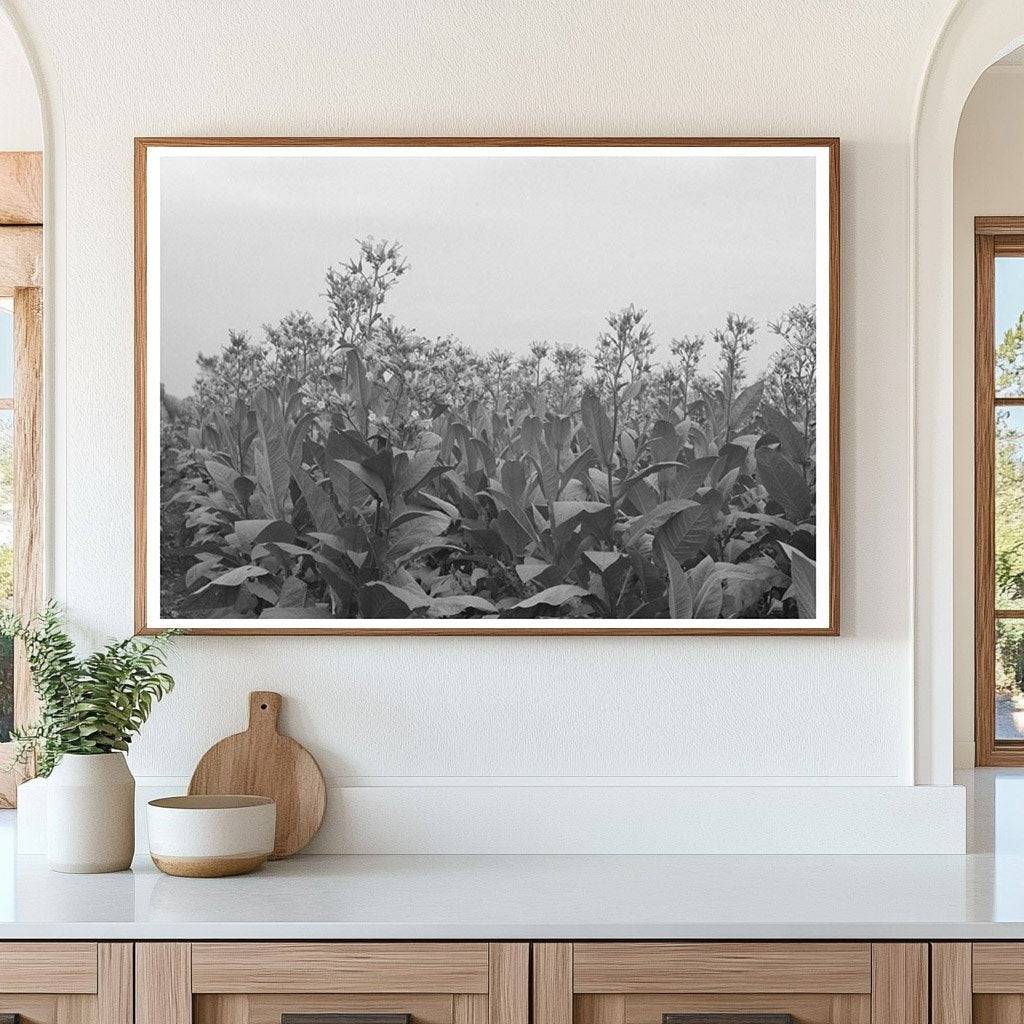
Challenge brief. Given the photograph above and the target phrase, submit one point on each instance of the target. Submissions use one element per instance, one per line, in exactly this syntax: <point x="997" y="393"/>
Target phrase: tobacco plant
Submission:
<point x="351" y="468"/>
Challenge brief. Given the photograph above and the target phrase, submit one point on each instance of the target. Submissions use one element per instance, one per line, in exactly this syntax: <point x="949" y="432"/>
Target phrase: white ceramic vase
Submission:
<point x="90" y="814"/>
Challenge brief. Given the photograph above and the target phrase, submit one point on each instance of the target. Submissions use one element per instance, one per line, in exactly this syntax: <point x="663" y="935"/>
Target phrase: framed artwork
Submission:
<point x="487" y="386"/>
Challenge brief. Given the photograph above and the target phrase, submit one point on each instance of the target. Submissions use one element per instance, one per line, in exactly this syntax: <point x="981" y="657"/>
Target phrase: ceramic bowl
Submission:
<point x="211" y="836"/>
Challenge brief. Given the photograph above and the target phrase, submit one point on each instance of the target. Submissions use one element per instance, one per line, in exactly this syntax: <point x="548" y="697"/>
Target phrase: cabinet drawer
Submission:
<point x="66" y="982"/>
<point x="980" y="982"/>
<point x="998" y="967"/>
<point x="263" y="982"/>
<point x="734" y="982"/>
<point x="48" y="967"/>
<point x="340" y="967"/>
<point x="629" y="967"/>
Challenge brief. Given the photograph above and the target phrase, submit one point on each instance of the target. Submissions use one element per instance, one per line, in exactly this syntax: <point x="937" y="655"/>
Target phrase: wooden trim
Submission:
<point x="233" y="1009"/>
<point x="508" y="983"/>
<point x="28" y="480"/>
<point x="636" y="967"/>
<point x="48" y="967"/>
<point x="599" y="1009"/>
<point x="115" y="983"/>
<point x="163" y="983"/>
<point x="495" y="141"/>
<point x="27" y="499"/>
<point x="21" y="257"/>
<point x="999" y="226"/>
<point x="850" y="1009"/>
<point x="21" y="188"/>
<point x="552" y="983"/>
<point x="1008" y="245"/>
<point x="997" y="967"/>
<point x="143" y="144"/>
<point x="468" y="1008"/>
<point x="140" y="241"/>
<point x="835" y="491"/>
<point x="339" y="967"/>
<point x="899" y="983"/>
<point x="951" y="983"/>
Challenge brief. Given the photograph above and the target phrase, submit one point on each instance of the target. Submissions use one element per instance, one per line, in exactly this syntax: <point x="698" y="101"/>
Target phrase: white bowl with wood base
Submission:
<point x="211" y="836"/>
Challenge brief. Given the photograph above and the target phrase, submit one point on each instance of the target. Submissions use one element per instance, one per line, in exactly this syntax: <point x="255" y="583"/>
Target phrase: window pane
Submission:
<point x="1009" y="512"/>
<point x="6" y="348"/>
<point x="6" y="567"/>
<point x="1009" y="679"/>
<point x="1009" y="326"/>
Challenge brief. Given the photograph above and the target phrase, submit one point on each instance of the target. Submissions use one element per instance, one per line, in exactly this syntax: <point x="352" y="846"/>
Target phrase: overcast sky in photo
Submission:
<point x="504" y="247"/>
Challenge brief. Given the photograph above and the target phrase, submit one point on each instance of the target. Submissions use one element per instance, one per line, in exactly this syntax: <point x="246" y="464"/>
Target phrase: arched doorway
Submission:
<point x="976" y="33"/>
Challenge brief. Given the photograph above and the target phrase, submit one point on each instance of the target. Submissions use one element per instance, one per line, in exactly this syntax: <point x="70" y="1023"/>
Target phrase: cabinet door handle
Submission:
<point x="338" y="1018"/>
<point x="728" y="1018"/>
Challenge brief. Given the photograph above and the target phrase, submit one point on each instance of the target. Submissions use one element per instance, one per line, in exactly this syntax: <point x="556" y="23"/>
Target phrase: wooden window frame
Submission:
<point x="993" y="237"/>
<point x="21" y="270"/>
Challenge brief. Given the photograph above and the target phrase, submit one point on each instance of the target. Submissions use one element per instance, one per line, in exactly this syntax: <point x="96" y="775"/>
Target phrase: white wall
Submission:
<point x="443" y="713"/>
<point x="21" y="126"/>
<point x="988" y="181"/>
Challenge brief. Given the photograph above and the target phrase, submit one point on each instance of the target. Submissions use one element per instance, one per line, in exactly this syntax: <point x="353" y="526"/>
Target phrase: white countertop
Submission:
<point x="532" y="897"/>
<point x="977" y="896"/>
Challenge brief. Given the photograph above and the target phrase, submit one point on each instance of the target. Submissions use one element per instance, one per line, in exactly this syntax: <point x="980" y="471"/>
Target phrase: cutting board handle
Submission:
<point x="264" y="710"/>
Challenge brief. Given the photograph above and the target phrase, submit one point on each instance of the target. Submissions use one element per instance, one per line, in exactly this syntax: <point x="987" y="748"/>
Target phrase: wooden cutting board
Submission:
<point x="262" y="762"/>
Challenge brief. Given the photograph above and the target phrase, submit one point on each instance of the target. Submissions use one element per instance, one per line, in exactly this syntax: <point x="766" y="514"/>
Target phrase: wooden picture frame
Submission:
<point x="825" y="621"/>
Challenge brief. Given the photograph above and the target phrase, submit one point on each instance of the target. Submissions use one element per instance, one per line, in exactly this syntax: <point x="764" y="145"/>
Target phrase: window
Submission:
<point x="6" y="510"/>
<point x="21" y="354"/>
<point x="999" y="490"/>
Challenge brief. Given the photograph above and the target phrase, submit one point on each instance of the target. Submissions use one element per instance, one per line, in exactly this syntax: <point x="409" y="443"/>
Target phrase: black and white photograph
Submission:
<point x="482" y="385"/>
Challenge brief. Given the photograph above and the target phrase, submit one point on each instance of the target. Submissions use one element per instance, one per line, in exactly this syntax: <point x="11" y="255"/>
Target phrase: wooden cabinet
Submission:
<point x="648" y="982"/>
<point x="66" y="982"/>
<point x="493" y="983"/>
<point x="979" y="982"/>
<point x="262" y="982"/>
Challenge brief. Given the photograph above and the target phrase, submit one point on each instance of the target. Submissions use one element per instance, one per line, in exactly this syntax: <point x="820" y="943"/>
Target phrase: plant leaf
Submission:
<point x="650" y="522"/>
<point x="379" y="600"/>
<point x="317" y="502"/>
<point x="744" y="406"/>
<point x="235" y="577"/>
<point x="273" y="473"/>
<point x="784" y="483"/>
<point x="687" y="532"/>
<point x="603" y="560"/>
<point x="680" y="592"/>
<point x="369" y="480"/>
<point x="793" y="442"/>
<point x="598" y="427"/>
<point x="803" y="573"/>
<point x="554" y="596"/>
<point x="456" y="604"/>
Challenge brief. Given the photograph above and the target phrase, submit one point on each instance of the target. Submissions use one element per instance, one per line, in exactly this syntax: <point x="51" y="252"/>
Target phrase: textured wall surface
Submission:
<point x="21" y="125"/>
<point x="734" y="710"/>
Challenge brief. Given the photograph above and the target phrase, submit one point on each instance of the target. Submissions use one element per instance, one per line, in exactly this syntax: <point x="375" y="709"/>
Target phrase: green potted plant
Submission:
<point x="89" y="710"/>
